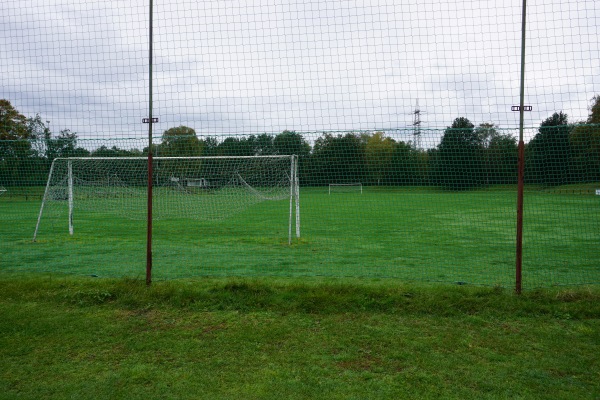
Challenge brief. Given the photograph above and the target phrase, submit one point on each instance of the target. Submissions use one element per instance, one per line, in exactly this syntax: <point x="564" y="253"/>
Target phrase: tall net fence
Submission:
<point x="401" y="126"/>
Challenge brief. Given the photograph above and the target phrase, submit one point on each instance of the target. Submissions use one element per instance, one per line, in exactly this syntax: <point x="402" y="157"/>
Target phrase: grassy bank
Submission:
<point x="270" y="338"/>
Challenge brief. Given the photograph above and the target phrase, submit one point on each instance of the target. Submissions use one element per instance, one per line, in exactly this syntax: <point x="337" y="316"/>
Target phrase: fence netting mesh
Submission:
<point x="301" y="138"/>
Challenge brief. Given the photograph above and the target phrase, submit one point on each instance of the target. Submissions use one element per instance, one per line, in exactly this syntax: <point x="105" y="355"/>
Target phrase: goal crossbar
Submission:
<point x="172" y="158"/>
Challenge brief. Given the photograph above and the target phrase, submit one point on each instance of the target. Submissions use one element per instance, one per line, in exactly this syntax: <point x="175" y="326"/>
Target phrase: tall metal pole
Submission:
<point x="521" y="165"/>
<point x="150" y="123"/>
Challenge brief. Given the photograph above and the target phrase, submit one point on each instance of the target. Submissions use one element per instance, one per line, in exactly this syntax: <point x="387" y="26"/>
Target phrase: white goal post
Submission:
<point x="203" y="187"/>
<point x="345" y="188"/>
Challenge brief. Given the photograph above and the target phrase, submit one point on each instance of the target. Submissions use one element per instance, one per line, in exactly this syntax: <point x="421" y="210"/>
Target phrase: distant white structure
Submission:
<point x="345" y="188"/>
<point x="197" y="182"/>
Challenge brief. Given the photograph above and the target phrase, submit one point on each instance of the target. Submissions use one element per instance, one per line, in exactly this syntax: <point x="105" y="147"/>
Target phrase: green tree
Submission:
<point x="262" y="145"/>
<point x="210" y="146"/>
<point x="379" y="151"/>
<point x="13" y="124"/>
<point x="179" y="142"/>
<point x="114" y="151"/>
<point x="235" y="146"/>
<point x="64" y="145"/>
<point x="585" y="145"/>
<point x="501" y="159"/>
<point x="459" y="159"/>
<point x="339" y="159"/>
<point x="15" y="137"/>
<point x="39" y="133"/>
<point x="50" y="147"/>
<point x="408" y="165"/>
<point x="500" y="155"/>
<point x="289" y="143"/>
<point x="16" y="151"/>
<point x="486" y="131"/>
<point x="549" y="152"/>
<point x="293" y="143"/>
<point x="155" y="150"/>
<point x="594" y="117"/>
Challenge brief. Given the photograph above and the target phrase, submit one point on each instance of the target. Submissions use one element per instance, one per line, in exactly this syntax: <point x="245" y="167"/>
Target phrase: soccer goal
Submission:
<point x="206" y="188"/>
<point x="345" y="188"/>
<point x="2" y="190"/>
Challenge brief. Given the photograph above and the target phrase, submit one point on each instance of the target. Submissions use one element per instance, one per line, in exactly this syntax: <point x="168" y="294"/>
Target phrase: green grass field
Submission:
<point x="275" y="338"/>
<point x="253" y="317"/>
<point x="411" y="234"/>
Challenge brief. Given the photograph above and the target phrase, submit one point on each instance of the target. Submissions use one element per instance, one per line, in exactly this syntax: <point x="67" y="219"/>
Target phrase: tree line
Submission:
<point x="467" y="156"/>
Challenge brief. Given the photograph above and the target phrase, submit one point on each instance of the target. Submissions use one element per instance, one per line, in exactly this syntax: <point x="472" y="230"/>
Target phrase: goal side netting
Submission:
<point x="204" y="188"/>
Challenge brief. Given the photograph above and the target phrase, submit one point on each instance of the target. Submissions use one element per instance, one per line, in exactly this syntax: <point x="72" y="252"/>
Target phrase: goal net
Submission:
<point x="205" y="188"/>
<point x="345" y="188"/>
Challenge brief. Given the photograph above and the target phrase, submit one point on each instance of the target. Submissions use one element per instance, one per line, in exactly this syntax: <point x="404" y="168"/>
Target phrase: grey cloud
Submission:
<point x="253" y="67"/>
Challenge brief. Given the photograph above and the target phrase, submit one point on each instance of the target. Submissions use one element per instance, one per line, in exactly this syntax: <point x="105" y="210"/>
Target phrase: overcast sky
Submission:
<point x="248" y="67"/>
